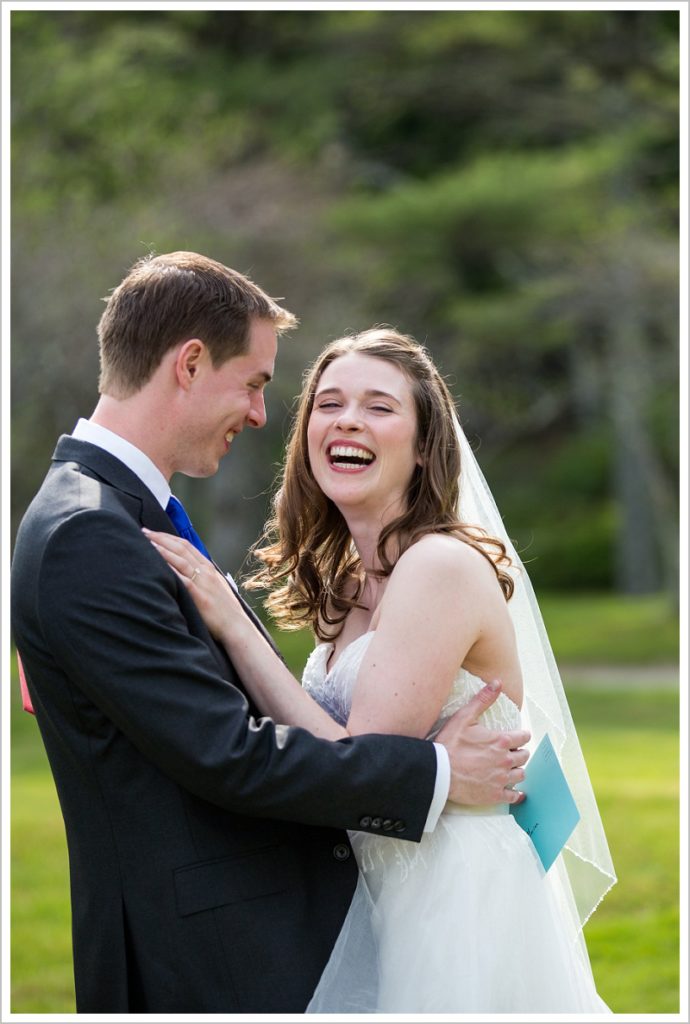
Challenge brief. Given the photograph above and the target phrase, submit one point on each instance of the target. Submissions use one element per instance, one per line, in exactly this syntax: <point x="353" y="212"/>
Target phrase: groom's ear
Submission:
<point x="191" y="356"/>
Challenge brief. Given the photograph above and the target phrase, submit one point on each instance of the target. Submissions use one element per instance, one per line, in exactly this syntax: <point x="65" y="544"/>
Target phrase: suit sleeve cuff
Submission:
<point x="441" y="788"/>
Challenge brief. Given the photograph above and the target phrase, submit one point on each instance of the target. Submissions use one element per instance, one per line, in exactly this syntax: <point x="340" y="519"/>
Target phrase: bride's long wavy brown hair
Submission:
<point x="310" y="564"/>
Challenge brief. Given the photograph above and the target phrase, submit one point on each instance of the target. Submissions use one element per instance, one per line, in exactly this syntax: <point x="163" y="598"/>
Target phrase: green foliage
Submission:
<point x="568" y="540"/>
<point x="99" y="124"/>
<point x="585" y="561"/>
<point x="502" y="184"/>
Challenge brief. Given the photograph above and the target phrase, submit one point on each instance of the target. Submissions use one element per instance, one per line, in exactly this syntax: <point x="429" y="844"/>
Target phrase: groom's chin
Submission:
<point x="200" y="470"/>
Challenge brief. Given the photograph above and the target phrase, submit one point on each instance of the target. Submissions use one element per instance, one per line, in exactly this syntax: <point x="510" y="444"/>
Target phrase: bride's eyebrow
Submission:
<point x="369" y="393"/>
<point x="374" y="393"/>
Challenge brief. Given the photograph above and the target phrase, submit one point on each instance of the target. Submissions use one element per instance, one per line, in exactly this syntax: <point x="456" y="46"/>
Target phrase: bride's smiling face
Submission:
<point x="362" y="435"/>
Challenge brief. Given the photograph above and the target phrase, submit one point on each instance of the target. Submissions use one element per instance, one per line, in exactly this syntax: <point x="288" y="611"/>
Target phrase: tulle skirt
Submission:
<point x="466" y="921"/>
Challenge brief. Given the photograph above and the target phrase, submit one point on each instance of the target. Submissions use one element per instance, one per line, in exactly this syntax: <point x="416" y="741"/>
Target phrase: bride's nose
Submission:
<point x="349" y="419"/>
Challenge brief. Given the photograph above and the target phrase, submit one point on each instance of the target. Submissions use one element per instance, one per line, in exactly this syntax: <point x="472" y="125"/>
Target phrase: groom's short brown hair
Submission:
<point x="167" y="299"/>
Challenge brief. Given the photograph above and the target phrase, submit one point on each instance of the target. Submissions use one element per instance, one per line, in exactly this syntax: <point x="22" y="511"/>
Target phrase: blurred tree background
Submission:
<point x="503" y="184"/>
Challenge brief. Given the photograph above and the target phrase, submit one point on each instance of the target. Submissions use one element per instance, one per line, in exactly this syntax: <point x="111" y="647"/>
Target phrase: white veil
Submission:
<point x="585" y="870"/>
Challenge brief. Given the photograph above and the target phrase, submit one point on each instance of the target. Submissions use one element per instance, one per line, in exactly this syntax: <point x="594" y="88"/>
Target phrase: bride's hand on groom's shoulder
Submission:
<point x="209" y="589"/>
<point x="485" y="763"/>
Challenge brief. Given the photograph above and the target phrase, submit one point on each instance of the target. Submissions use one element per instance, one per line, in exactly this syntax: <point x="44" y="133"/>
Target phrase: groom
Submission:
<point x="210" y="870"/>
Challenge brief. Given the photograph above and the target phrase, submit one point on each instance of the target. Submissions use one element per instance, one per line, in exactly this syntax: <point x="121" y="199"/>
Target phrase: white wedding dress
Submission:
<point x="466" y="921"/>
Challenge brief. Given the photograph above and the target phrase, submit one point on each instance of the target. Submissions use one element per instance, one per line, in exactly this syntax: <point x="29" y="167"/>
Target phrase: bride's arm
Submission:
<point x="272" y="686"/>
<point x="431" y="615"/>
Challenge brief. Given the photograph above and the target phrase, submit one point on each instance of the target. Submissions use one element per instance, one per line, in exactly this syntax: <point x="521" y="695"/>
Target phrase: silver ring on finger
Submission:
<point x="197" y="572"/>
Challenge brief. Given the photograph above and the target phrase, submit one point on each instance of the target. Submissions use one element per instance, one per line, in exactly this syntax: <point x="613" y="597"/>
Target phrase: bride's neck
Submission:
<point x="365" y="536"/>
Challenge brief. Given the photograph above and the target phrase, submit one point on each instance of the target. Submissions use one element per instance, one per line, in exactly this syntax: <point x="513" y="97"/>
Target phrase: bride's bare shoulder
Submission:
<point x="437" y="554"/>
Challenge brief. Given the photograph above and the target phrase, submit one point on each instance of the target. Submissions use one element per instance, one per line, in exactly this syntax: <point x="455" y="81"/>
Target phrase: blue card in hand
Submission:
<point x="549" y="813"/>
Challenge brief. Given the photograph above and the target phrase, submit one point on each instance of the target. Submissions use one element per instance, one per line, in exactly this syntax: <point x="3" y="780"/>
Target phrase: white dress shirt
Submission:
<point x="151" y="476"/>
<point x="126" y="452"/>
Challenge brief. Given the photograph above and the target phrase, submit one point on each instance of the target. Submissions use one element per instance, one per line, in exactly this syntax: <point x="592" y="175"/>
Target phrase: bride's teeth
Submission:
<point x="229" y="436"/>
<point x="348" y="456"/>
<point x="349" y="452"/>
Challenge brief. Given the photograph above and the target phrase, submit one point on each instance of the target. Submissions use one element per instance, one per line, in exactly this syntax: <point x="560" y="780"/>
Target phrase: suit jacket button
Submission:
<point x="341" y="851"/>
<point x="376" y="822"/>
<point x="365" y="822"/>
<point x="387" y="824"/>
<point x="399" y="826"/>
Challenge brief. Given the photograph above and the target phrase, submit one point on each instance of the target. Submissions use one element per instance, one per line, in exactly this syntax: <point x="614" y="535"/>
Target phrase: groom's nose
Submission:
<point x="256" y="417"/>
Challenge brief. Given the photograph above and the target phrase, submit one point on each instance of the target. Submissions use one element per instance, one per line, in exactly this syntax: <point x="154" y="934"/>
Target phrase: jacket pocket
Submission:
<point x="217" y="883"/>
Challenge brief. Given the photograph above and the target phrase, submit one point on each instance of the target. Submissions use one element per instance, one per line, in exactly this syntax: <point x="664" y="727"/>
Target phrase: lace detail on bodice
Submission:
<point x="333" y="690"/>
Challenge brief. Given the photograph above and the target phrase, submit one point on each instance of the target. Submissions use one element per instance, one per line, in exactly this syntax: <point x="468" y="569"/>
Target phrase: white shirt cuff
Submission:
<point x="441" y="789"/>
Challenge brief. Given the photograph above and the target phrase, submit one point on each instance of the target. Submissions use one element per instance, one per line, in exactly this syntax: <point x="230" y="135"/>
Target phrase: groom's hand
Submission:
<point x="483" y="762"/>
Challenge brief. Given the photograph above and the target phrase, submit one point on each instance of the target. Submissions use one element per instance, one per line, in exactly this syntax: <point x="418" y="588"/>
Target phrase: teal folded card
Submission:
<point x="548" y="814"/>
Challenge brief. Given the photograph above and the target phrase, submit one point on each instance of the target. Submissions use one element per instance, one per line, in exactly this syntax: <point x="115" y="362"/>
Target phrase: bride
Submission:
<point x="386" y="542"/>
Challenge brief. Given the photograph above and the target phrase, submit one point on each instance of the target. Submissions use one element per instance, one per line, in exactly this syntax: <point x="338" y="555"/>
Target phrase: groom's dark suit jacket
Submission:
<point x="209" y="869"/>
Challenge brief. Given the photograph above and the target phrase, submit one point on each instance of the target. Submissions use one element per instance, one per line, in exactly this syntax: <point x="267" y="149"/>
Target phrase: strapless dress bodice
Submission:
<point x="333" y="689"/>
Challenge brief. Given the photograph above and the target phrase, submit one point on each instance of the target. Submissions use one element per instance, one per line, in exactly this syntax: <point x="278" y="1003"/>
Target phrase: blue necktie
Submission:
<point x="183" y="525"/>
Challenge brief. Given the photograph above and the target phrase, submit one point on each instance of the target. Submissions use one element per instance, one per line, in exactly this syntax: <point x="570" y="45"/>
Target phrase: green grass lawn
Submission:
<point x="630" y="740"/>
<point x="610" y="628"/>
